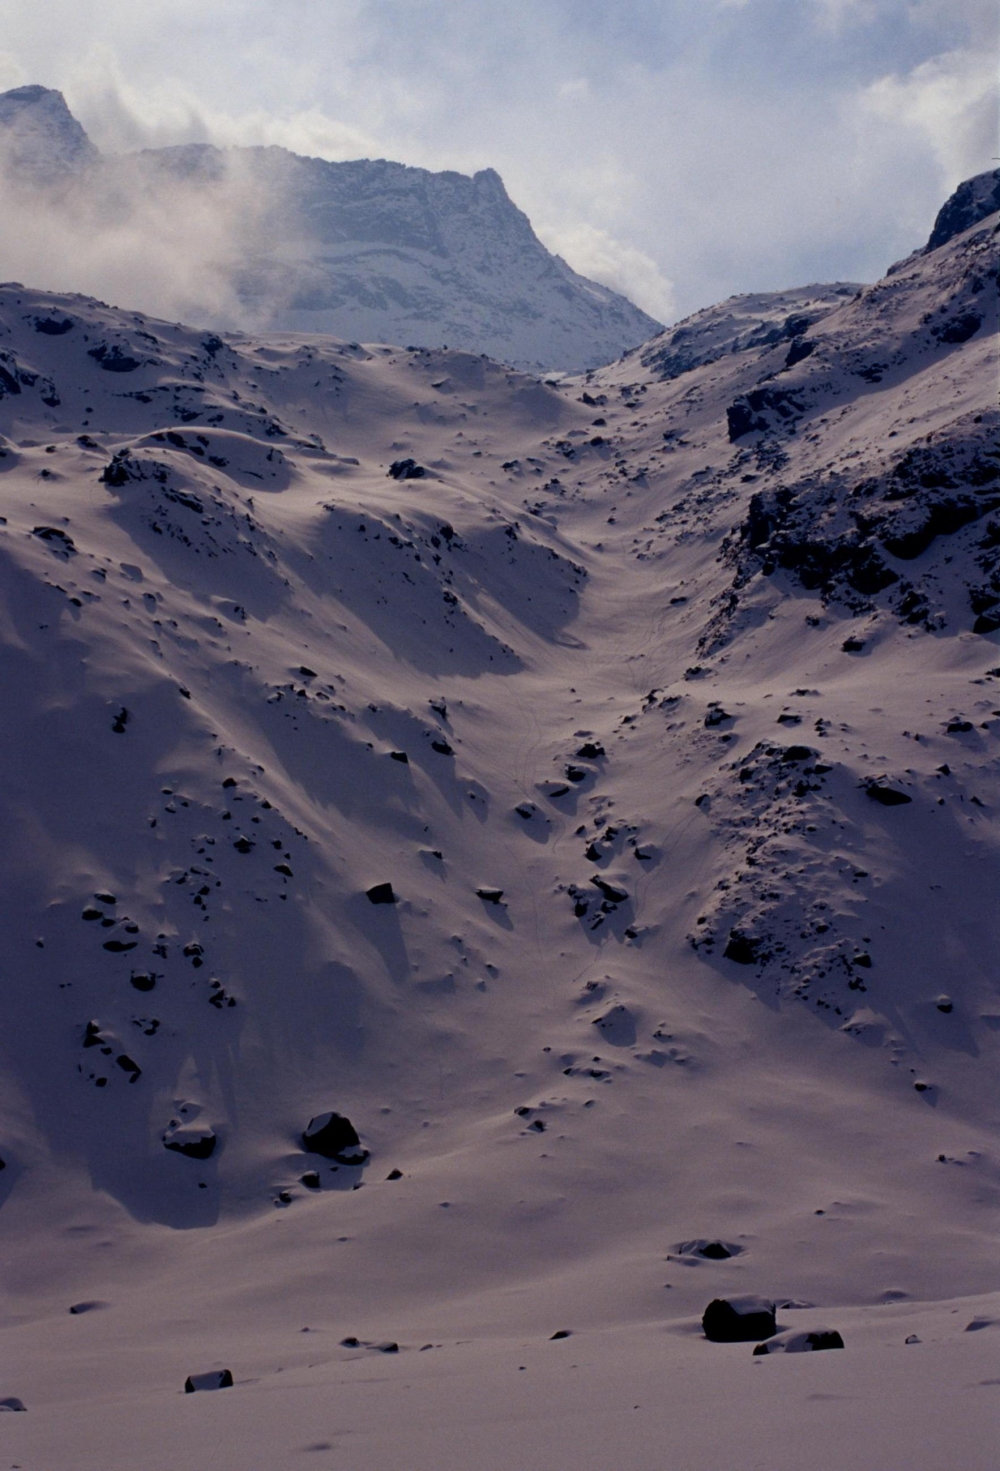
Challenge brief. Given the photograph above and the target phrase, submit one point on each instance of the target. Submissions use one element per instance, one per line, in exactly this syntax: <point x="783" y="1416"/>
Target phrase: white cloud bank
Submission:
<point x="721" y="147"/>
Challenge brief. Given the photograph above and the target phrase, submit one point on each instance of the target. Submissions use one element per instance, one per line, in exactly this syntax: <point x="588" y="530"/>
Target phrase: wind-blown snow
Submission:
<point x="666" y="701"/>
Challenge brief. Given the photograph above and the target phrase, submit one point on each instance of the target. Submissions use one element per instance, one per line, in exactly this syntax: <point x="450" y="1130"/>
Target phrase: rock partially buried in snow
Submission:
<point x="335" y="1137"/>
<point x="381" y="894"/>
<point x="739" y="1319"/>
<point x="12" y="1403"/>
<point x="708" y="1249"/>
<point x="801" y="1343"/>
<point x="193" y="1140"/>
<point x="214" y="1379"/>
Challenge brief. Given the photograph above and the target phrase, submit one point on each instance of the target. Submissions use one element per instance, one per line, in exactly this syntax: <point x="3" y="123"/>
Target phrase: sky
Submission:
<point x="678" y="150"/>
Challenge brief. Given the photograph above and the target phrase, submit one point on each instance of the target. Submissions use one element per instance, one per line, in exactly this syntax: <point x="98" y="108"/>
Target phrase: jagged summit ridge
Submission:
<point x="369" y="250"/>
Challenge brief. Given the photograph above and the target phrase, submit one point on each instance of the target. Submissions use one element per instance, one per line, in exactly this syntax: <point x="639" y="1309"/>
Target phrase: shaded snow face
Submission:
<point x="587" y="818"/>
<point x="261" y="238"/>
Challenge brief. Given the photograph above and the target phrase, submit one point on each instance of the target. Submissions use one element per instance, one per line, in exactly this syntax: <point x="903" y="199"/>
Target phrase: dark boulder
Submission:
<point x="491" y="895"/>
<point x="406" y="470"/>
<point x="741" y="948"/>
<point x="886" y="796"/>
<point x="739" y="1319"/>
<point x="610" y="891"/>
<point x="214" y="1379"/>
<point x="11" y="1402"/>
<point x="381" y="894"/>
<point x="334" y="1137"/>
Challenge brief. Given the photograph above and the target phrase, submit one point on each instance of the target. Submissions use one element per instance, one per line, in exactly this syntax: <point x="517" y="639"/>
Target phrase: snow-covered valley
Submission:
<point x="666" y="701"/>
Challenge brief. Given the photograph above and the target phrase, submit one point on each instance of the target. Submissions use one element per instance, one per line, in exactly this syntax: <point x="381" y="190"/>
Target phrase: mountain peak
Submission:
<point x="40" y="139"/>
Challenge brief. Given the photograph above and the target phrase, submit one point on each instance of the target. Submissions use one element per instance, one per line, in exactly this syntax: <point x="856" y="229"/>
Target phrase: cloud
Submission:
<point x="598" y="255"/>
<point x="722" y="147"/>
<point x="158" y="243"/>
<point x="951" y="100"/>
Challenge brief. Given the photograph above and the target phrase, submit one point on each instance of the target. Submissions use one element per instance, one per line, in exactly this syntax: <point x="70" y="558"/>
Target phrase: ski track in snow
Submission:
<point x="646" y="627"/>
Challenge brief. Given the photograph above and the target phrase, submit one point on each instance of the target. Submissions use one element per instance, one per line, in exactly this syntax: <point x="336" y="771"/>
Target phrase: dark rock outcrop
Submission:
<point x="971" y="202"/>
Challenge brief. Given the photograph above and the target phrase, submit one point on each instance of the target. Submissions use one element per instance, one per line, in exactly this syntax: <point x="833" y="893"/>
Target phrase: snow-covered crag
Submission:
<point x="368" y="250"/>
<point x="385" y="730"/>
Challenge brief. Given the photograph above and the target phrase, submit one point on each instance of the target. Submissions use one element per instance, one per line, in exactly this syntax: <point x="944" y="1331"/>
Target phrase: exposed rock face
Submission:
<point x="757" y="321"/>
<point x="971" y="202"/>
<point x="368" y="250"/>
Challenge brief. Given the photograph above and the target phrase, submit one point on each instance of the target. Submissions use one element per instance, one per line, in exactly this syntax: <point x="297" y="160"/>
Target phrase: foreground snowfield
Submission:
<point x="607" y="627"/>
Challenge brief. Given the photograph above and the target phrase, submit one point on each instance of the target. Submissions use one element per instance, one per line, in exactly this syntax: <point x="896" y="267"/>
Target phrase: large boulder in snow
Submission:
<point x="739" y="1319"/>
<point x="213" y="1379"/>
<point x="335" y="1137"/>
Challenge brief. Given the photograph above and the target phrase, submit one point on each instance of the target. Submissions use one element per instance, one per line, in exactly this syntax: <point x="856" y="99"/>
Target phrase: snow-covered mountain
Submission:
<point x="384" y="731"/>
<point x="368" y="250"/>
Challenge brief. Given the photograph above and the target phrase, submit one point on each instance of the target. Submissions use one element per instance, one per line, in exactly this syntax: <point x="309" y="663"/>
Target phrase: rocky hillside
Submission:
<point x="385" y="730"/>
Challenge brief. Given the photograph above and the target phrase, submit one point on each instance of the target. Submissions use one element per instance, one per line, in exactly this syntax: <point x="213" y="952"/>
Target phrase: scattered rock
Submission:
<point x="310" y="1180"/>
<point x="214" y="1379"/>
<point x="87" y="1307"/>
<point x="561" y="1333"/>
<point x="491" y="895"/>
<point x="739" y="1319"/>
<point x="12" y="1403"/>
<point x="335" y="1137"/>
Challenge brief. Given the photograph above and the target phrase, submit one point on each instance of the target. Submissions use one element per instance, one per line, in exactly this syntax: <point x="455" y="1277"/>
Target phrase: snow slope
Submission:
<point x="699" y="671"/>
<point x="367" y="249"/>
